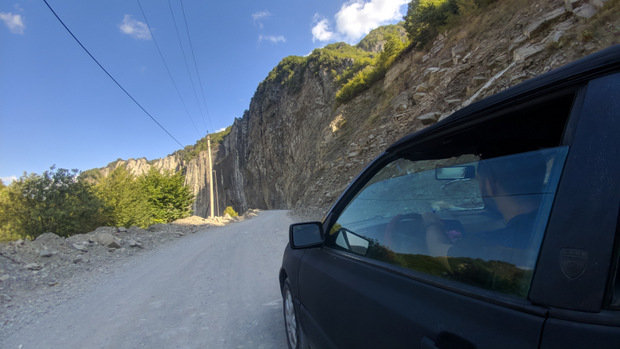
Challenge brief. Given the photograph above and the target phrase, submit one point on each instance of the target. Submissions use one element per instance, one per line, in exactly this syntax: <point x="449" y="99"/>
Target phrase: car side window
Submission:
<point x="466" y="218"/>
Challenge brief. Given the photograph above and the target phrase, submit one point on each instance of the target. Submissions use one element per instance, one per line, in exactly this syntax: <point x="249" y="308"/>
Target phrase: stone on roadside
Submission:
<point x="80" y="246"/>
<point x="33" y="266"/>
<point x="46" y="253"/>
<point x="134" y="243"/>
<point x="107" y="240"/>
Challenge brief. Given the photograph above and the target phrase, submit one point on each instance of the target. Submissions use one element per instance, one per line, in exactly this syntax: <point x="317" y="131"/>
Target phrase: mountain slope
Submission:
<point x="296" y="146"/>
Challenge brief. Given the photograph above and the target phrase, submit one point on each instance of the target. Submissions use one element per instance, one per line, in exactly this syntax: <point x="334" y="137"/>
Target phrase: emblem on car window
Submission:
<point x="573" y="262"/>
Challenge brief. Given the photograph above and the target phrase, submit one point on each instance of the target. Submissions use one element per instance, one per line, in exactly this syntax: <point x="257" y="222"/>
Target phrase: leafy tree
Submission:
<point x="148" y="199"/>
<point x="55" y="201"/>
<point x="391" y="49"/>
<point x="125" y="200"/>
<point x="167" y="197"/>
<point x="425" y="18"/>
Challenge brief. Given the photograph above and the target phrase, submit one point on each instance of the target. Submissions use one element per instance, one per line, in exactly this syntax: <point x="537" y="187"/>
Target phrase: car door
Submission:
<point x="376" y="281"/>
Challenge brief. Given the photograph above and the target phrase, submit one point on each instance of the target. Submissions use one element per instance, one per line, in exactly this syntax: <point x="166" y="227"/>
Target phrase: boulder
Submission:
<point x="401" y="102"/>
<point x="46" y="253"/>
<point x="539" y="25"/>
<point x="526" y="52"/>
<point x="429" y="118"/>
<point x="80" y="246"/>
<point x="49" y="238"/>
<point x="598" y="3"/>
<point x="107" y="240"/>
<point x="571" y="4"/>
<point x="134" y="243"/>
<point x="33" y="266"/>
<point x="586" y="11"/>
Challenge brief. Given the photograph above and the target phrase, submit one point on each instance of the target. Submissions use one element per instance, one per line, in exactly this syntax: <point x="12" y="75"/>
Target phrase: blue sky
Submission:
<point x="57" y="107"/>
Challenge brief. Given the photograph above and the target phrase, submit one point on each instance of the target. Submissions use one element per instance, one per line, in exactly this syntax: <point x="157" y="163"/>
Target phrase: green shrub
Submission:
<point x="168" y="199"/>
<point x="56" y="201"/>
<point x="230" y="211"/>
<point x="125" y="200"/>
<point x="145" y="200"/>
<point x="371" y="73"/>
<point x="358" y="84"/>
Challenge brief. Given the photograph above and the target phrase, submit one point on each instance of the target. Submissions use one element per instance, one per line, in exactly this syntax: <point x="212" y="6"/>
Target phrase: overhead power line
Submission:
<point x="167" y="68"/>
<point x="176" y="27"/>
<point x="191" y="46"/>
<point x="110" y="75"/>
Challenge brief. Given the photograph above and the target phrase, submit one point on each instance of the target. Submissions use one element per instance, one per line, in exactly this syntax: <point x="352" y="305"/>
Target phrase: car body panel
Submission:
<point x="340" y="292"/>
<point x="586" y="204"/>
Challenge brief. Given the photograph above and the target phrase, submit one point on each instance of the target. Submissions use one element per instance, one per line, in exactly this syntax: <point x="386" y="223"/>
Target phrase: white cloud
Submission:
<point x="272" y="38"/>
<point x="135" y="28"/>
<point x="259" y="16"/>
<point x="321" y="30"/>
<point x="8" y="180"/>
<point x="14" y="22"/>
<point x="357" y="18"/>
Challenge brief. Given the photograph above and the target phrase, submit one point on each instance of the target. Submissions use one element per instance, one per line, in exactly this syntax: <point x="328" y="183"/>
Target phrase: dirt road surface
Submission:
<point x="217" y="288"/>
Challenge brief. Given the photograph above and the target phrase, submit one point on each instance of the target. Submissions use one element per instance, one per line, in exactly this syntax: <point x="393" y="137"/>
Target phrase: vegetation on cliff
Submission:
<point x="191" y="151"/>
<point x="356" y="68"/>
<point x="426" y="18"/>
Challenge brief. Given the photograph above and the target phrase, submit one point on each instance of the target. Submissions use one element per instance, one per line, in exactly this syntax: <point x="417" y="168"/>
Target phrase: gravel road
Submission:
<point x="217" y="288"/>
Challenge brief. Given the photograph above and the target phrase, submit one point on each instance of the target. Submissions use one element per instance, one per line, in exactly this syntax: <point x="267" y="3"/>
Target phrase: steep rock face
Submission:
<point x="296" y="146"/>
<point x="270" y="153"/>
<point x="195" y="175"/>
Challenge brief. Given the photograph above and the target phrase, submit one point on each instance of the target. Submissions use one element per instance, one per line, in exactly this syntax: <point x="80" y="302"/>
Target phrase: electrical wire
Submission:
<point x="109" y="75"/>
<point x="191" y="46"/>
<point x="185" y="59"/>
<point x="167" y="69"/>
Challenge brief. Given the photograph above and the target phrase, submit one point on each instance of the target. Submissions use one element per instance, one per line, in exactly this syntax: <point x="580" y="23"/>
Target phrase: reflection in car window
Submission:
<point x="477" y="221"/>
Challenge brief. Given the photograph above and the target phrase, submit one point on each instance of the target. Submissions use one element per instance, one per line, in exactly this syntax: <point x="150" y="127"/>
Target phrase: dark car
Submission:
<point x="497" y="227"/>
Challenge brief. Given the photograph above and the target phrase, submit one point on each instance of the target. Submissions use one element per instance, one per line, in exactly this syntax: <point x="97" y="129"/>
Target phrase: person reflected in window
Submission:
<point x="513" y="187"/>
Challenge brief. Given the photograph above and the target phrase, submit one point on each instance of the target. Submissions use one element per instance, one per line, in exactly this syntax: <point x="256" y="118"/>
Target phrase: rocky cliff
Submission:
<point x="296" y="146"/>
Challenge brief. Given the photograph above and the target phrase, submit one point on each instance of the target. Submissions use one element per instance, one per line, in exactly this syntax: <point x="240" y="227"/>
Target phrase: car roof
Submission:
<point x="598" y="64"/>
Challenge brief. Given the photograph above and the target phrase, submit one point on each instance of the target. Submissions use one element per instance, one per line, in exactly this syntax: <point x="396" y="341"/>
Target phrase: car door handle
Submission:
<point x="446" y="340"/>
<point x="427" y="343"/>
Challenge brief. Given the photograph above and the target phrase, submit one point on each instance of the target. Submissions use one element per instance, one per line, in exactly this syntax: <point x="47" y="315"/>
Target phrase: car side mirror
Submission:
<point x="304" y="235"/>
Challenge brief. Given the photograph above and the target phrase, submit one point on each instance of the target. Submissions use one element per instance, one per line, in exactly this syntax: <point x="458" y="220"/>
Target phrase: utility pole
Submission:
<point x="217" y="198"/>
<point x="210" y="176"/>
